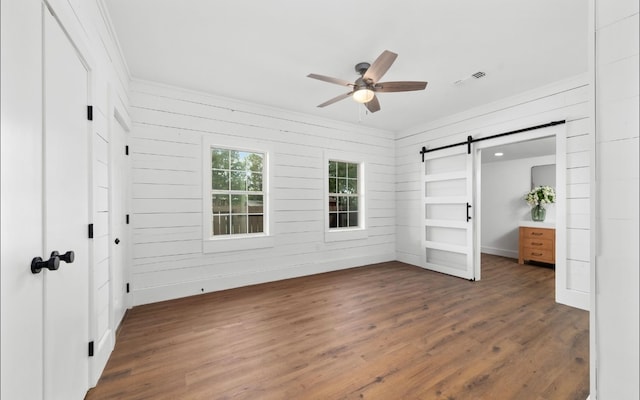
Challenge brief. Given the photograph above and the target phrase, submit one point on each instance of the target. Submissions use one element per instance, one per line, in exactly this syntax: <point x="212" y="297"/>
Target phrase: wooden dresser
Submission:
<point x="537" y="243"/>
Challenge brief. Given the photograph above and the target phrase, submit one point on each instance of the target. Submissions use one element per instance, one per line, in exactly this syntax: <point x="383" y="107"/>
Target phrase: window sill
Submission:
<point x="340" y="235"/>
<point x="228" y="244"/>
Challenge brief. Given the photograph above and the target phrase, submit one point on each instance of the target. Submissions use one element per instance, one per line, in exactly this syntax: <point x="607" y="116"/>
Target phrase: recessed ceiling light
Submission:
<point x="498" y="154"/>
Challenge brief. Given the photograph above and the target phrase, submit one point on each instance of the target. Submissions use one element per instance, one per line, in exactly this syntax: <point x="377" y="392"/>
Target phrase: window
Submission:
<point x="237" y="193"/>
<point x="344" y="195"/>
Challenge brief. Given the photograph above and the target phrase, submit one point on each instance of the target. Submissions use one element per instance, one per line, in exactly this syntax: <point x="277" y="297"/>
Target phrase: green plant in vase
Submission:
<point x="537" y="198"/>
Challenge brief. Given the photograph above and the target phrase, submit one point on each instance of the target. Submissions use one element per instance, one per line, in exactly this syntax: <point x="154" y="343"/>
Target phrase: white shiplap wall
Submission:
<point x="617" y="300"/>
<point x="564" y="100"/>
<point x="166" y="149"/>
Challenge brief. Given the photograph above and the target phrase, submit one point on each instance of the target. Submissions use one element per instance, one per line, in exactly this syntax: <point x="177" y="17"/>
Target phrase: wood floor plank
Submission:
<point x="384" y="331"/>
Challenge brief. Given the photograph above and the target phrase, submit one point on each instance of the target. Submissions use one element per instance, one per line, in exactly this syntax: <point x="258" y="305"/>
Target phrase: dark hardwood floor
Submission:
<point x="385" y="331"/>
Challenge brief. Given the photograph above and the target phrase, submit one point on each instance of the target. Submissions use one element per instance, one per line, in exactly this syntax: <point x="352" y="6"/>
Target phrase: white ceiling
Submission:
<point x="261" y="51"/>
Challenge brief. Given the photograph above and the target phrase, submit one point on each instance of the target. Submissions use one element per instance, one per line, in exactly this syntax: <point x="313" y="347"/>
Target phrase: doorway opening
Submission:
<point x="508" y="173"/>
<point x="500" y="189"/>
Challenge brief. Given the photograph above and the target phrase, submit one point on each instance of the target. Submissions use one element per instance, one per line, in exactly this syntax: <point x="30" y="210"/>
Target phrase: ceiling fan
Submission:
<point x="365" y="88"/>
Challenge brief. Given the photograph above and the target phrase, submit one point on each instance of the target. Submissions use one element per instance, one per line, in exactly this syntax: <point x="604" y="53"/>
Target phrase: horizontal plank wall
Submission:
<point x="563" y="100"/>
<point x="617" y="301"/>
<point x="169" y="125"/>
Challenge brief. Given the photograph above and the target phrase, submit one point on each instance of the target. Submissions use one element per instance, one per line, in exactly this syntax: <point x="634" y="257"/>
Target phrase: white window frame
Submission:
<point x="351" y="233"/>
<point x="235" y="242"/>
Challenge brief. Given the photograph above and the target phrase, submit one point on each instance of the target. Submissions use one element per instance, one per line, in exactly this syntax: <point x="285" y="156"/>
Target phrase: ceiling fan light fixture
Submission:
<point x="363" y="95"/>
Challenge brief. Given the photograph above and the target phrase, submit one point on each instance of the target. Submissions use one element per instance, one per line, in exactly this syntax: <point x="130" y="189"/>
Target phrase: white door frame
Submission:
<point x="562" y="294"/>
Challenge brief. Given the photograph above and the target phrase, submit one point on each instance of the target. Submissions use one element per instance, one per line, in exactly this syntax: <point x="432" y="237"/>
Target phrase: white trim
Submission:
<point x="593" y="204"/>
<point x="564" y="295"/>
<point x="500" y="252"/>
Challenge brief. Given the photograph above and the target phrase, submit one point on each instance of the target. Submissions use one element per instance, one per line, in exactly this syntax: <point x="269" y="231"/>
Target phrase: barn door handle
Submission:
<point x="52" y="264"/>
<point x="468" y="216"/>
<point x="67" y="257"/>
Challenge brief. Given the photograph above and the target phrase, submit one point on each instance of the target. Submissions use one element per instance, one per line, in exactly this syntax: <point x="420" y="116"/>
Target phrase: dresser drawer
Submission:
<point x="538" y="233"/>
<point x="543" y="255"/>
<point x="540" y="244"/>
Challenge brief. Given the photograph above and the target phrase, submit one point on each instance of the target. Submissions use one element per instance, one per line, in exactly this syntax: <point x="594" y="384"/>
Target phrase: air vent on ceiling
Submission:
<point x="477" y="75"/>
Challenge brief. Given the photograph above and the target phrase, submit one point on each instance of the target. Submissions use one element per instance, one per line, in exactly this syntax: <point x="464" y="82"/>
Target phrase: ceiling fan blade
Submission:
<point x="329" y="79"/>
<point x="379" y="67"/>
<point x="336" y="99"/>
<point x="403" y="86"/>
<point x="373" y="105"/>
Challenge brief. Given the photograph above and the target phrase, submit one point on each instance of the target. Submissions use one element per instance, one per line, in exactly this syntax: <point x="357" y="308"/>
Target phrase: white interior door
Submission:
<point x="448" y="236"/>
<point x="20" y="200"/>
<point x="101" y="328"/>
<point x="119" y="195"/>
<point x="66" y="216"/>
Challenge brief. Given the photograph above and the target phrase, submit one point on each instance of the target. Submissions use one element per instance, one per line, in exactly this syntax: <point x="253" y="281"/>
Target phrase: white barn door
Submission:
<point x="447" y="209"/>
<point x="66" y="216"/>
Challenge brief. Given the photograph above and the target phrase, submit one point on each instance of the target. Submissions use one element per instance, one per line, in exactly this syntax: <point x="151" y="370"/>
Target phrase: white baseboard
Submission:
<point x="500" y="252"/>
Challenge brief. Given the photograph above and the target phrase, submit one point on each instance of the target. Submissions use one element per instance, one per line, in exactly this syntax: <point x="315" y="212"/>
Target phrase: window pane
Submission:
<point x="220" y="204"/>
<point x="333" y="220"/>
<point x="256" y="204"/>
<point x="219" y="180"/>
<point x="342" y="170"/>
<point x="343" y="220"/>
<point x="342" y="185"/>
<point x="220" y="224"/>
<point x="342" y="203"/>
<point x="219" y="158"/>
<point x="353" y="219"/>
<point x="254" y="182"/>
<point x="333" y="168"/>
<point x="353" y="203"/>
<point x="238" y="224"/>
<point x="238" y="180"/>
<point x="256" y="223"/>
<point x="255" y="162"/>
<point x="239" y="204"/>
<point x="237" y="159"/>
<point x="352" y="186"/>
<point x="332" y="185"/>
<point x="333" y="203"/>
<point x="352" y="171"/>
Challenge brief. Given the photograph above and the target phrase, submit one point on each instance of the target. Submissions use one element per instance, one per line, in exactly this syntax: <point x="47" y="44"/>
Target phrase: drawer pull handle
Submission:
<point x="536" y="244"/>
<point x="536" y="233"/>
<point x="536" y="254"/>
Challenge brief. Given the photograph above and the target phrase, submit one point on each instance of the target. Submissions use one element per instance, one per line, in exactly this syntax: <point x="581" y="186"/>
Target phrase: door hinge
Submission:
<point x="126" y="150"/>
<point x="127" y="219"/>
<point x="91" y="348"/>
<point x="90" y="231"/>
<point x="127" y="287"/>
<point x="90" y="113"/>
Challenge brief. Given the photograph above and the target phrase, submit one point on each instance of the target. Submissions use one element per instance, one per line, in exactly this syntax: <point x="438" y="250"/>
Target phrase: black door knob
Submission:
<point x="37" y="264"/>
<point x="117" y="241"/>
<point x="67" y="257"/>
